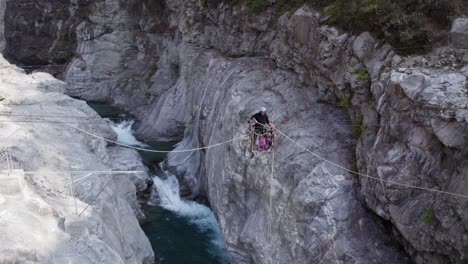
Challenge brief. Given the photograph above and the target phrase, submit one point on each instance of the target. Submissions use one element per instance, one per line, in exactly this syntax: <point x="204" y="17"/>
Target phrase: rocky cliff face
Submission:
<point x="42" y="34"/>
<point x="197" y="70"/>
<point x="40" y="218"/>
<point x="278" y="208"/>
<point x="117" y="54"/>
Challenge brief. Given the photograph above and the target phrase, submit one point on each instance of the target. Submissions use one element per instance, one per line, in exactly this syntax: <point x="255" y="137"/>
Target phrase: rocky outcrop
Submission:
<point x="410" y="118"/>
<point x="459" y="33"/>
<point x="41" y="221"/>
<point x="129" y="159"/>
<point x="272" y="209"/>
<point x="421" y="141"/>
<point x="43" y="33"/>
<point x="117" y="56"/>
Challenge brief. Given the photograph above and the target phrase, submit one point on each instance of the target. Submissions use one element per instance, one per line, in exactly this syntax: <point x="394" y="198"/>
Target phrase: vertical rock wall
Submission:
<point x="281" y="208"/>
<point x="117" y="55"/>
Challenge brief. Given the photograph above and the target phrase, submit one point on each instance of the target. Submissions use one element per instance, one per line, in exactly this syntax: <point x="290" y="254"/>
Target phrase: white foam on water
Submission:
<point x="198" y="214"/>
<point x="170" y="199"/>
<point x="168" y="191"/>
<point x="125" y="133"/>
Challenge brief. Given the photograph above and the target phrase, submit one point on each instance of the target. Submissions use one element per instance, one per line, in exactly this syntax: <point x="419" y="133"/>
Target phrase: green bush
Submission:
<point x="257" y="6"/>
<point x="282" y="6"/>
<point x="413" y="41"/>
<point x="429" y="216"/>
<point x="401" y="23"/>
<point x="363" y="76"/>
<point x="353" y="15"/>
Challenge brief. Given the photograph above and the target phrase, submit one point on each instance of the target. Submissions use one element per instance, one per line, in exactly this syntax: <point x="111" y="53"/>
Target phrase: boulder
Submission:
<point x="459" y="33"/>
<point x="363" y="46"/>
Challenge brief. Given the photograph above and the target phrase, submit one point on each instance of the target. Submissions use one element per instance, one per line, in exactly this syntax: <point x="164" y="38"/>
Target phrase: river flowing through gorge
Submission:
<point x="180" y="230"/>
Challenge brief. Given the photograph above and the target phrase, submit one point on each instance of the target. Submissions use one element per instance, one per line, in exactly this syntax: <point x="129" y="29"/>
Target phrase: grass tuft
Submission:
<point x="429" y="216"/>
<point x="345" y="102"/>
<point x="363" y="76"/>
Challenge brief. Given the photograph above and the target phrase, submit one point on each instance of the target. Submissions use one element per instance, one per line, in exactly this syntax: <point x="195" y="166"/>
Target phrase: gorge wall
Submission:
<point x="196" y="70"/>
<point x="41" y="221"/>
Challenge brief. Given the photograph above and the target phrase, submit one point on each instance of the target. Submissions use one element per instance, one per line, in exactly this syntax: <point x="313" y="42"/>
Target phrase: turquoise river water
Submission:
<point x="180" y="231"/>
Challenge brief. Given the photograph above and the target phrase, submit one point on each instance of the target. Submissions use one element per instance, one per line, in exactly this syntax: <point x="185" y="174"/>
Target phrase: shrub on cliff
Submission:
<point x="282" y="6"/>
<point x="363" y="75"/>
<point x="406" y="25"/>
<point x="410" y="26"/>
<point x="257" y="5"/>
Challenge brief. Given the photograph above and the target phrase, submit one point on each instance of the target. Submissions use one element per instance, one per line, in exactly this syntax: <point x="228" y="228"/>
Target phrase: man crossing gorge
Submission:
<point x="261" y="121"/>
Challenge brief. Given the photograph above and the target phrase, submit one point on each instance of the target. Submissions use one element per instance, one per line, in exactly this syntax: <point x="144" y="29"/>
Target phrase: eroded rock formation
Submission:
<point x="301" y="210"/>
<point x="40" y="220"/>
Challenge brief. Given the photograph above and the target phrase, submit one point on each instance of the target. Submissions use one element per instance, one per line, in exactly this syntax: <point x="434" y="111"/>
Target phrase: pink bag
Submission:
<point x="263" y="144"/>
